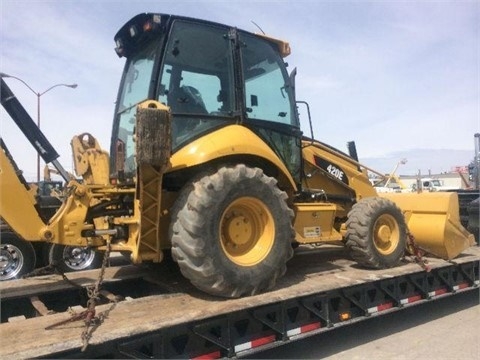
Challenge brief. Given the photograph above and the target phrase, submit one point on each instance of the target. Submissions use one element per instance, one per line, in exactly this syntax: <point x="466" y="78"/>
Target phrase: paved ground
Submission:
<point x="445" y="329"/>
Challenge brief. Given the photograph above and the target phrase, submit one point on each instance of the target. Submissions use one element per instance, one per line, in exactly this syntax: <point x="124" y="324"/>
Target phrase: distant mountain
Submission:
<point x="435" y="161"/>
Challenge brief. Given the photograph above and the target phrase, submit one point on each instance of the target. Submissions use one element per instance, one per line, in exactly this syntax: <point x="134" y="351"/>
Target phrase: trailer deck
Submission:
<point x="168" y="318"/>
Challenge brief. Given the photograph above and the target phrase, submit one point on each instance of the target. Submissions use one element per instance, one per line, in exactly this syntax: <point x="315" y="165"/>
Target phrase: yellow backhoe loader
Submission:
<point x="207" y="159"/>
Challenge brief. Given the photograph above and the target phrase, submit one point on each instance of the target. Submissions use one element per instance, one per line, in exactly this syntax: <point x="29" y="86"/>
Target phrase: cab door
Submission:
<point x="269" y="100"/>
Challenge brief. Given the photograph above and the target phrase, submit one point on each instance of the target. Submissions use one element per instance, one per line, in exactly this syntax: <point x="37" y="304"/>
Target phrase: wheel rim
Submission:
<point x="78" y="258"/>
<point x="247" y="231"/>
<point x="386" y="234"/>
<point x="11" y="261"/>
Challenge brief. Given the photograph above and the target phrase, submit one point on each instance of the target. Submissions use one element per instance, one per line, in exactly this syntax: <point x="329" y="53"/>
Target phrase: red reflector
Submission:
<point x="441" y="291"/>
<point x="310" y="327"/>
<point x="385" y="306"/>
<point x="263" y="341"/>
<point x="212" y="355"/>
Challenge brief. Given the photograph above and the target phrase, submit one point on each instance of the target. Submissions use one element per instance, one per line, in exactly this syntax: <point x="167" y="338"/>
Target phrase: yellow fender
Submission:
<point x="227" y="141"/>
<point x="434" y="220"/>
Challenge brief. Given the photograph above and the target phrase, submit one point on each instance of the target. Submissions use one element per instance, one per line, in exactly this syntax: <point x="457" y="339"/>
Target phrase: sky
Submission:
<point x="400" y="78"/>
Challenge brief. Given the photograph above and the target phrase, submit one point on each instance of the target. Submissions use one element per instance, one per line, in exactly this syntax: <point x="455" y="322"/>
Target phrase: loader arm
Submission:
<point x="339" y="175"/>
<point x="432" y="219"/>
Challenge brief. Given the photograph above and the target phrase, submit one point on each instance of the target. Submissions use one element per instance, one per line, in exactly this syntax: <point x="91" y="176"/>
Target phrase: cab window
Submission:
<point x="267" y="93"/>
<point x="196" y="79"/>
<point x="197" y="74"/>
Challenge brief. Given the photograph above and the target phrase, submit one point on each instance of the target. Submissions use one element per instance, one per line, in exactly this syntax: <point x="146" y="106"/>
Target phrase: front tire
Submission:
<point x="231" y="232"/>
<point x="17" y="257"/>
<point x="376" y="233"/>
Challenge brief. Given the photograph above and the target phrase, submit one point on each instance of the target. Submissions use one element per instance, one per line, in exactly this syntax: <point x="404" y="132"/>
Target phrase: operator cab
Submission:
<point x="211" y="76"/>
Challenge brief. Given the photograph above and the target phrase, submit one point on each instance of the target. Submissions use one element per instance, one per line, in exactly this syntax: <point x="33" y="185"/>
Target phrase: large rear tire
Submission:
<point x="17" y="257"/>
<point x="376" y="233"/>
<point x="231" y="232"/>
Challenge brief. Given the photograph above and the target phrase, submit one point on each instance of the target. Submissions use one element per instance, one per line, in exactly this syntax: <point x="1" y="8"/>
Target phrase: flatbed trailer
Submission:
<point x="163" y="316"/>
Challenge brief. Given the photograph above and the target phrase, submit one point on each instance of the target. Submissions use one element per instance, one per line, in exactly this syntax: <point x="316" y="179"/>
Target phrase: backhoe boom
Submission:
<point x="31" y="131"/>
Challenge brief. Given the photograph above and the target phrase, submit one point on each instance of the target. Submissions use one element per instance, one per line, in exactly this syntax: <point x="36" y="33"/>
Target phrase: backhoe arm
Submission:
<point x="17" y="205"/>
<point x="31" y="131"/>
<point x="18" y="209"/>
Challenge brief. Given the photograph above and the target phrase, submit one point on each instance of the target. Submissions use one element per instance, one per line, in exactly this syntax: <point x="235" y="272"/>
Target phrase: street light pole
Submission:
<point x="38" y="95"/>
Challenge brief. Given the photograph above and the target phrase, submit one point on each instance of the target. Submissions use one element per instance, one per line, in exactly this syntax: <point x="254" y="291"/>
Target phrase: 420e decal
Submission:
<point x="332" y="169"/>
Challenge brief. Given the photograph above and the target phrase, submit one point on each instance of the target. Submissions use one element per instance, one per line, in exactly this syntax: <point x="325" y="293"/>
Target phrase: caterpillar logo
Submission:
<point x="334" y="170"/>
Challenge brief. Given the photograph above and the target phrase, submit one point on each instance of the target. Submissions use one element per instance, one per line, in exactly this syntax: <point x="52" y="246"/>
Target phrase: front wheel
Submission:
<point x="376" y="233"/>
<point x="17" y="257"/>
<point x="74" y="258"/>
<point x="231" y="232"/>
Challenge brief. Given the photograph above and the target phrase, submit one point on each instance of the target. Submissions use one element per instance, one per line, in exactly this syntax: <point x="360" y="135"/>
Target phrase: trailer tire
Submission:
<point x="376" y="233"/>
<point x="231" y="232"/>
<point x="74" y="258"/>
<point x="17" y="257"/>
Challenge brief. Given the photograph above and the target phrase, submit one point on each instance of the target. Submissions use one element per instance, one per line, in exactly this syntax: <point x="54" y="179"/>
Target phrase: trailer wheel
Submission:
<point x="74" y="258"/>
<point x="231" y="232"/>
<point x="376" y="233"/>
<point x="17" y="257"/>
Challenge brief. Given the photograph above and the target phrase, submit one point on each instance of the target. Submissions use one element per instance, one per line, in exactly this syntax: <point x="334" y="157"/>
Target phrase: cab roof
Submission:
<point x="144" y="23"/>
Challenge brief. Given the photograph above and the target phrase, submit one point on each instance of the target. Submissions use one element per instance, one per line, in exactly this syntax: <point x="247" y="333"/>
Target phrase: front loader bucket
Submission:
<point x="434" y="220"/>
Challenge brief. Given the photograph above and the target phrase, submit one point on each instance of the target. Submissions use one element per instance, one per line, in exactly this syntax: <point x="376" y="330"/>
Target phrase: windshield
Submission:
<point x="134" y="89"/>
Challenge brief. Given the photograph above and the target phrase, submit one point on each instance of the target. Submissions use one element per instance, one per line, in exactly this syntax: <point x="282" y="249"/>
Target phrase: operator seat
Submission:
<point x="187" y="100"/>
